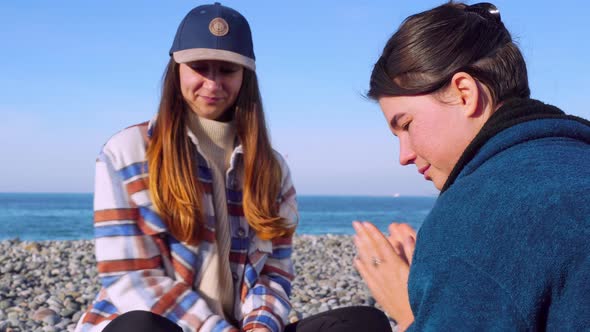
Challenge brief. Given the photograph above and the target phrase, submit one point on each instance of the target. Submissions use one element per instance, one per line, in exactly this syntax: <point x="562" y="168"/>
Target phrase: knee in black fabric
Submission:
<point x="347" y="319"/>
<point x="366" y="319"/>
<point x="140" y="321"/>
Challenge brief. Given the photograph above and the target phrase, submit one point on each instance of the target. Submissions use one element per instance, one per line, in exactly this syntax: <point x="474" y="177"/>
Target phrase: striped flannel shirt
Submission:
<point x="141" y="266"/>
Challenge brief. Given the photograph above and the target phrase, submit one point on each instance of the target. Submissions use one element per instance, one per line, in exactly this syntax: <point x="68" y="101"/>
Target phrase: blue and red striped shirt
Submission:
<point x="142" y="266"/>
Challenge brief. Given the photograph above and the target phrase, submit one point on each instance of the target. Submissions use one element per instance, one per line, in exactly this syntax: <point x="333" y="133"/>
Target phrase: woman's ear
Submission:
<point x="465" y="90"/>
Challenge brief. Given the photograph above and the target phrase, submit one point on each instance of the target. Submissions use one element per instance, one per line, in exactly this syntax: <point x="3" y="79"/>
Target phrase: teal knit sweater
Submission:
<point x="507" y="245"/>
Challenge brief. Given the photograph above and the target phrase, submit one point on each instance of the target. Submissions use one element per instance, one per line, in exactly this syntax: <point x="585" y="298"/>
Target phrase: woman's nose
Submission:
<point x="212" y="80"/>
<point x="406" y="152"/>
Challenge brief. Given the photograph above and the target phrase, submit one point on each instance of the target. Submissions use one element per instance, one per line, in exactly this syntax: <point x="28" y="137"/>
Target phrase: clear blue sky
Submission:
<point x="72" y="73"/>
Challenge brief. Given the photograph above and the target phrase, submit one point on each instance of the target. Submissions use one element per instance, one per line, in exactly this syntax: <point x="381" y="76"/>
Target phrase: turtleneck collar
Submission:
<point x="211" y="132"/>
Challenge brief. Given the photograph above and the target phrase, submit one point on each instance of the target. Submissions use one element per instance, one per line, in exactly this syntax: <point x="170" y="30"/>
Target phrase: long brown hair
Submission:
<point x="173" y="172"/>
<point x="430" y="47"/>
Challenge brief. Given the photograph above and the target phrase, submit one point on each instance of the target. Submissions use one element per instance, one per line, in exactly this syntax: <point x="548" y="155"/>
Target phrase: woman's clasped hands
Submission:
<point x="384" y="264"/>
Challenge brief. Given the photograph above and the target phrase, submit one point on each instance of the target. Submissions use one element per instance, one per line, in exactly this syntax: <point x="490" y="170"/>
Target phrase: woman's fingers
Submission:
<point x="401" y="230"/>
<point x="409" y="246"/>
<point x="372" y="245"/>
<point x="384" y="272"/>
<point x="399" y="235"/>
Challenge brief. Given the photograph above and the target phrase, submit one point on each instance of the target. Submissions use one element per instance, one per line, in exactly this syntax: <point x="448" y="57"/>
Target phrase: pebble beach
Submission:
<point x="47" y="285"/>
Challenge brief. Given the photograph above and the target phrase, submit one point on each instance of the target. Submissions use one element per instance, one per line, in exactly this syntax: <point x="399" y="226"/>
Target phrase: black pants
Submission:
<point x="351" y="319"/>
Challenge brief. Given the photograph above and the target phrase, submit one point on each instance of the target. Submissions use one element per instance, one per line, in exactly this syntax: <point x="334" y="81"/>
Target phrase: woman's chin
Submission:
<point x="437" y="182"/>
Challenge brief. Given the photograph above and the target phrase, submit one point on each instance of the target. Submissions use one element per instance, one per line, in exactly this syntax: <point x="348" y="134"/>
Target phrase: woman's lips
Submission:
<point x="211" y="100"/>
<point x="423" y="170"/>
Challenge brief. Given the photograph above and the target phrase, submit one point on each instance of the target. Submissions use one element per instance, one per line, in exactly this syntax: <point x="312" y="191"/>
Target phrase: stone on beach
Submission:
<point x="47" y="285"/>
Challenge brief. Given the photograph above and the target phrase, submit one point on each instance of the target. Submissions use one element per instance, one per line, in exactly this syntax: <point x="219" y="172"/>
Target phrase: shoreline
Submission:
<point x="47" y="285"/>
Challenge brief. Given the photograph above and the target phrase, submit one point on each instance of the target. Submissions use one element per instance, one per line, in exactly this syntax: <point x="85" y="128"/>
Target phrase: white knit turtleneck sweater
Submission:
<point x="216" y="142"/>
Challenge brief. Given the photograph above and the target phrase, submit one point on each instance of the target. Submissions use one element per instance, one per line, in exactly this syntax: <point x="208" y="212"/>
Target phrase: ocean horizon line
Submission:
<point x="395" y="195"/>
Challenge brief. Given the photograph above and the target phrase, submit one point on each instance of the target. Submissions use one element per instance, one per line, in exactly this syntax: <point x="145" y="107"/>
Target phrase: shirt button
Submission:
<point x="234" y="276"/>
<point x="241" y="232"/>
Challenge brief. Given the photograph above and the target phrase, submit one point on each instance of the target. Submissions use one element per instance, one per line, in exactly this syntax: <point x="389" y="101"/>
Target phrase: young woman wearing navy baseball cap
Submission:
<point x="194" y="210"/>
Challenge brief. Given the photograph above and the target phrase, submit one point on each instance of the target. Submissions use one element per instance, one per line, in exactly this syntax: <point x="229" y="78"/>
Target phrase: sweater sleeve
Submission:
<point x="266" y="304"/>
<point x="452" y="294"/>
<point x="131" y="264"/>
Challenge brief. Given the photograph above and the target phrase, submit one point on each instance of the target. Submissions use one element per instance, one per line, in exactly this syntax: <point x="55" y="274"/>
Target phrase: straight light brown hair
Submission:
<point x="172" y="164"/>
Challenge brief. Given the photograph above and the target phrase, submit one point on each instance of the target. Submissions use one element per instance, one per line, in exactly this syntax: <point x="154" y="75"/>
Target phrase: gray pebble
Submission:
<point x="67" y="312"/>
<point x="62" y="326"/>
<point x="13" y="318"/>
<point x="76" y="316"/>
<point x="5" y="304"/>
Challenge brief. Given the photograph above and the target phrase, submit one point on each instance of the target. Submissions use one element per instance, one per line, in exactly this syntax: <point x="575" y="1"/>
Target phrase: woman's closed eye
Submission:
<point x="401" y="122"/>
<point x="406" y="125"/>
<point x="199" y="68"/>
<point x="229" y="69"/>
<point x="205" y="69"/>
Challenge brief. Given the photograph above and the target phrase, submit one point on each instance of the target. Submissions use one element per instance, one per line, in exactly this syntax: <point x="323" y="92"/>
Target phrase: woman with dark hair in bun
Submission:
<point x="506" y="245"/>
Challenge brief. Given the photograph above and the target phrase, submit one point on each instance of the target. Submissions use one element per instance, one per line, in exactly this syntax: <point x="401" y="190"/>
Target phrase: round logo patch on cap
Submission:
<point x="218" y="27"/>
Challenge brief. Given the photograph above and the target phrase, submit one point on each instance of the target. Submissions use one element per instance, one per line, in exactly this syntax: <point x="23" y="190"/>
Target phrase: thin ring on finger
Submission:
<point x="376" y="261"/>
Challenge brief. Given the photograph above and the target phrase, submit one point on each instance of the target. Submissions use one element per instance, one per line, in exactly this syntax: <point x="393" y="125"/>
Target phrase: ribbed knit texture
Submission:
<point x="216" y="141"/>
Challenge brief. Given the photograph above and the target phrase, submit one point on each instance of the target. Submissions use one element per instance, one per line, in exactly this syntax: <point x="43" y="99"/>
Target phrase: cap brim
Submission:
<point x="196" y="54"/>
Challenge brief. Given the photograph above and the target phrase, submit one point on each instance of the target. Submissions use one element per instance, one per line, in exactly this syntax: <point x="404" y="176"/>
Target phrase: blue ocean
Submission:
<point x="69" y="216"/>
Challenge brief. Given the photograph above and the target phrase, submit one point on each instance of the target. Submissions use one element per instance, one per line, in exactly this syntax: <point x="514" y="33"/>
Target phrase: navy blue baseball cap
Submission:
<point x="214" y="32"/>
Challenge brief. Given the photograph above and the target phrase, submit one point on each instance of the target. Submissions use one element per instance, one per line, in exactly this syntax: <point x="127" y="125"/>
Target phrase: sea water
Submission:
<point x="41" y="216"/>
